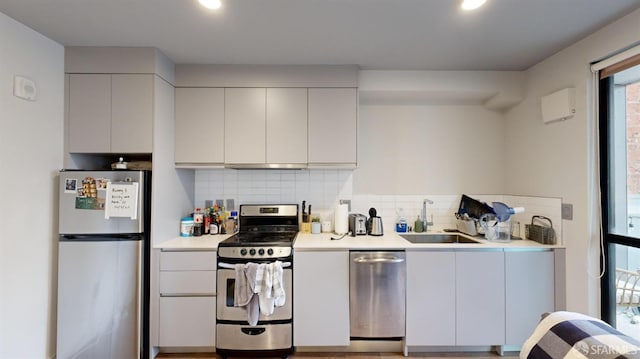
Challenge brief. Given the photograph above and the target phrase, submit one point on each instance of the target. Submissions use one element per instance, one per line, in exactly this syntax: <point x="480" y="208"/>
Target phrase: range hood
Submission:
<point x="278" y="166"/>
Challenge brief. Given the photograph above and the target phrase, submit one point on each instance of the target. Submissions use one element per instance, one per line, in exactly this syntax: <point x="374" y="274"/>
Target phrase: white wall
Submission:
<point x="31" y="154"/>
<point x="556" y="160"/>
<point x="429" y="149"/>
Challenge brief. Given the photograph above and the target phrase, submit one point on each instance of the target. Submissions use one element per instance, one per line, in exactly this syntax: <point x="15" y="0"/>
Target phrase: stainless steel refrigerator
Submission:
<point x="103" y="264"/>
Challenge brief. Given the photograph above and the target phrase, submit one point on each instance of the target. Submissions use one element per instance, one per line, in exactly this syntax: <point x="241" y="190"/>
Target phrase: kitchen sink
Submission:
<point x="438" y="238"/>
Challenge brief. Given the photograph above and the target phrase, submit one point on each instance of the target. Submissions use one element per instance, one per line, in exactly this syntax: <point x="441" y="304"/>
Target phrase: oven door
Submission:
<point x="226" y="288"/>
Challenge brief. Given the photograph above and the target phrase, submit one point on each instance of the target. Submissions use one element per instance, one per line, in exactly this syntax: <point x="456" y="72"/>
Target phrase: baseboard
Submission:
<point x="359" y="346"/>
<point x="179" y="350"/>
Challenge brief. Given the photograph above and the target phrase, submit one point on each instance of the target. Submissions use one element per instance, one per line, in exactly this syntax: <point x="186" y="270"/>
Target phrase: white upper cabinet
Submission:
<point x="333" y="116"/>
<point x="199" y="126"/>
<point x="287" y="125"/>
<point x="89" y="126"/>
<point x="265" y="126"/>
<point x="244" y="126"/>
<point x="110" y="113"/>
<point x="131" y="113"/>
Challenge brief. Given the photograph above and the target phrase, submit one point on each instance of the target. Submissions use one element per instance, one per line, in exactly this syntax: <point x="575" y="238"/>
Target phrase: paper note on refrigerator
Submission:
<point x="122" y="200"/>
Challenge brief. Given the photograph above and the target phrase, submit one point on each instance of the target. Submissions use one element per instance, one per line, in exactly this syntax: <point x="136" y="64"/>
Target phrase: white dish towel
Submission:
<point x="270" y="286"/>
<point x="244" y="291"/>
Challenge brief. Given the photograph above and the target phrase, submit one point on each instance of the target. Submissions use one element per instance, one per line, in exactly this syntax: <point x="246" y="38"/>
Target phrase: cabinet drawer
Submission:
<point x="187" y="260"/>
<point x="188" y="282"/>
<point x="187" y="322"/>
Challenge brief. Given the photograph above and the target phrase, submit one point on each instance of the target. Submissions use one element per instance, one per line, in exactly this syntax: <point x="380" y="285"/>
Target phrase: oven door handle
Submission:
<point x="233" y="266"/>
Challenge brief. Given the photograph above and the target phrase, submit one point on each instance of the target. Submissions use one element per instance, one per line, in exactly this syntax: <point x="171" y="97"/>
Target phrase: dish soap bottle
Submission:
<point x="418" y="226"/>
<point x="401" y="222"/>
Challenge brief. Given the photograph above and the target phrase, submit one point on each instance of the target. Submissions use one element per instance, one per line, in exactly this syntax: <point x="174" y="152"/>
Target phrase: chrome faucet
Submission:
<point x="425" y="222"/>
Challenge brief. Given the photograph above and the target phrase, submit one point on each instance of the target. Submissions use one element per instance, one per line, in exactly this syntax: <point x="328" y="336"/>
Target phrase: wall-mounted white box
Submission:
<point x="24" y="88"/>
<point x="559" y="105"/>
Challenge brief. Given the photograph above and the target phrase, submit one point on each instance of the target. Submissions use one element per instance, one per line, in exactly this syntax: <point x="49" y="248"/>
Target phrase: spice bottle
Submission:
<point x="198" y="219"/>
<point x="207" y="221"/>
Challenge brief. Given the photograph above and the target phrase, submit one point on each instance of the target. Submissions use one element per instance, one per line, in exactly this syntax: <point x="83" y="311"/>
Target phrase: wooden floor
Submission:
<point x="355" y="355"/>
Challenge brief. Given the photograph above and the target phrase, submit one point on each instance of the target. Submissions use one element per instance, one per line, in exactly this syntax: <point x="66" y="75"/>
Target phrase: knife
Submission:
<point x="304" y="214"/>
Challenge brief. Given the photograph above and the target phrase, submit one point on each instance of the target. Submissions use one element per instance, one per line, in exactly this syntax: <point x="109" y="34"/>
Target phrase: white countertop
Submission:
<point x="393" y="241"/>
<point x="323" y="242"/>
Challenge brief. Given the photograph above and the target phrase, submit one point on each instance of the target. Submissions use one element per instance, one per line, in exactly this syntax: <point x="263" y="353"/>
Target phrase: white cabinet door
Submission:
<point x="131" y="113"/>
<point x="480" y="298"/>
<point x="89" y="125"/>
<point x="529" y="292"/>
<point x="175" y="283"/>
<point x="188" y="260"/>
<point x="244" y="125"/>
<point x="332" y="125"/>
<point x="187" y="321"/>
<point x="199" y="125"/>
<point x="431" y="305"/>
<point x="287" y="125"/>
<point x="110" y="113"/>
<point x="321" y="302"/>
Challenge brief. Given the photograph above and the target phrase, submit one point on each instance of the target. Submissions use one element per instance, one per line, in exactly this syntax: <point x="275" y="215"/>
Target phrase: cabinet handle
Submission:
<point x="168" y="295"/>
<point x="378" y="260"/>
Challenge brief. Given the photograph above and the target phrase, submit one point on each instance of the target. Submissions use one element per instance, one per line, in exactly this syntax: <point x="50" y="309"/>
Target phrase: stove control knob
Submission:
<point x="270" y="251"/>
<point x="252" y="252"/>
<point x="261" y="251"/>
<point x="243" y="252"/>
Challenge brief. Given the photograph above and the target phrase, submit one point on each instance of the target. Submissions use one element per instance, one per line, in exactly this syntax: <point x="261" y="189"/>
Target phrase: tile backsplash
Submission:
<point x="320" y="188"/>
<point x="324" y="188"/>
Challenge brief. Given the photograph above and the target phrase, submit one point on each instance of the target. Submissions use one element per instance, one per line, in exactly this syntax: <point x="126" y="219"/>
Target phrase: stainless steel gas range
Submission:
<point x="266" y="234"/>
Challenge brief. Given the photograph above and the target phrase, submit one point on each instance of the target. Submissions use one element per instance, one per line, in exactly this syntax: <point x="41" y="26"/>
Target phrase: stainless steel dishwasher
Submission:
<point x="377" y="294"/>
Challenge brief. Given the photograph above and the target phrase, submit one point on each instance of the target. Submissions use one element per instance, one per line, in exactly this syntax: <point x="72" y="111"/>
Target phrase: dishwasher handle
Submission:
<point x="374" y="260"/>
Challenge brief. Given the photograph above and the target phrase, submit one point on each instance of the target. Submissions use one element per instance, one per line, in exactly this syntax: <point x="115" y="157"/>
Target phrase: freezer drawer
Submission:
<point x="377" y="294"/>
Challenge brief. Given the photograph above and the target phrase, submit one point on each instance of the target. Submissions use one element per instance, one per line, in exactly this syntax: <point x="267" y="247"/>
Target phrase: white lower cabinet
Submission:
<point x="431" y="307"/>
<point x="321" y="295"/>
<point x="477" y="298"/>
<point x="187" y="321"/>
<point x="480" y="298"/>
<point x="187" y="303"/>
<point x="530" y="291"/>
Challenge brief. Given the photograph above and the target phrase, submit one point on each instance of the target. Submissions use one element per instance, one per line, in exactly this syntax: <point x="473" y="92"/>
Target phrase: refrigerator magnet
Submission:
<point x="70" y="185"/>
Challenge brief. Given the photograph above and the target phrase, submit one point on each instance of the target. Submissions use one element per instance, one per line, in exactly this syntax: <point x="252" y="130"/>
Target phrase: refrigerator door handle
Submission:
<point x="100" y="238"/>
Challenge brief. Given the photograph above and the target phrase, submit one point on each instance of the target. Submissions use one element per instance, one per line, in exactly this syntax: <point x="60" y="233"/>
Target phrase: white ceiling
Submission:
<point x="375" y="34"/>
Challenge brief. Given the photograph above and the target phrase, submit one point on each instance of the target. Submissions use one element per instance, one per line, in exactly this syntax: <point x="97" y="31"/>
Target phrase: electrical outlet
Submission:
<point x="220" y="203"/>
<point x="567" y="211"/>
<point x="231" y="204"/>
<point x="208" y="203"/>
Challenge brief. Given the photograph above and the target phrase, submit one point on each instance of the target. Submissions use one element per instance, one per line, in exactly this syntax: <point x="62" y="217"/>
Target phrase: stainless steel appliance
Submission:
<point x="357" y="224"/>
<point x="103" y="256"/>
<point x="377" y="294"/>
<point x="374" y="224"/>
<point x="266" y="234"/>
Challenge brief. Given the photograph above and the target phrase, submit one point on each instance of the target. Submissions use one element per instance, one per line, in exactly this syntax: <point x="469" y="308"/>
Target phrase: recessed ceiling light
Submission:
<point x="211" y="4"/>
<point x="472" y="4"/>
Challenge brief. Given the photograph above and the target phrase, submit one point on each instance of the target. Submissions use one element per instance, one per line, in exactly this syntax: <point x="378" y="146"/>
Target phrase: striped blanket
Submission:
<point x="569" y="335"/>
